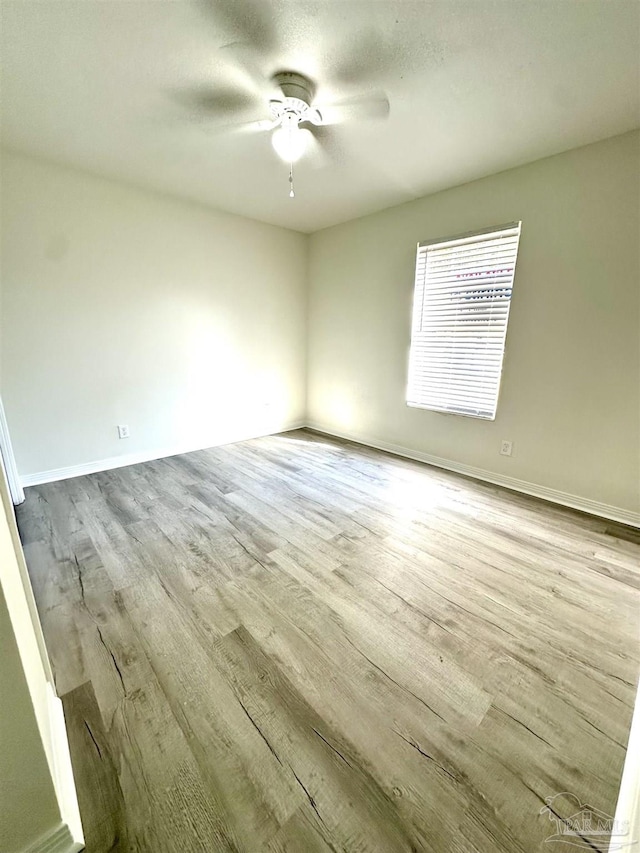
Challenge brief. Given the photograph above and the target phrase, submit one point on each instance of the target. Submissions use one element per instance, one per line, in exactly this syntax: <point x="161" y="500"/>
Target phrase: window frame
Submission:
<point x="425" y="244"/>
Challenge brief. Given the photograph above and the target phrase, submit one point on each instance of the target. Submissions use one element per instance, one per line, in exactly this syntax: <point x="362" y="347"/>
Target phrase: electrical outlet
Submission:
<point x="123" y="431"/>
<point x="506" y="447"/>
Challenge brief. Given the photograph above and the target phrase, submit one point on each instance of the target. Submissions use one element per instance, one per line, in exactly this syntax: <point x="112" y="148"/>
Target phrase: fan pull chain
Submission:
<point x="291" y="191"/>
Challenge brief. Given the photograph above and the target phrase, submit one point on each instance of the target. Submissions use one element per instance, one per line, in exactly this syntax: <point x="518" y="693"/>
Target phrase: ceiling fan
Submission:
<point x="298" y="125"/>
<point x="296" y="121"/>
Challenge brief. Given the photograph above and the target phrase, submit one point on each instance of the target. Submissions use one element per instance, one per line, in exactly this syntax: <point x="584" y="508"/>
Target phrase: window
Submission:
<point x="460" y="313"/>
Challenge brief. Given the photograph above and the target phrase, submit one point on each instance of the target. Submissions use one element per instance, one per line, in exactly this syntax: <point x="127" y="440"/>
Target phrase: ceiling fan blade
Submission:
<point x="213" y="128"/>
<point x="202" y="103"/>
<point x="314" y="116"/>
<point x="244" y="57"/>
<point x="323" y="145"/>
<point x="366" y="107"/>
<point x="318" y="154"/>
<point x="249" y="21"/>
<point x="242" y="127"/>
<point x="368" y="58"/>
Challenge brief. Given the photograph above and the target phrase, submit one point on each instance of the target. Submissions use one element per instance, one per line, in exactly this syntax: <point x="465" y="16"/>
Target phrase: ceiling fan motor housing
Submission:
<point x="298" y="94"/>
<point x="295" y="87"/>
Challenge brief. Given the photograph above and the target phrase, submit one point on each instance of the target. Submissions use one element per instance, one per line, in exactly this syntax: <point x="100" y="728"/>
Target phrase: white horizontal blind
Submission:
<point x="460" y="313"/>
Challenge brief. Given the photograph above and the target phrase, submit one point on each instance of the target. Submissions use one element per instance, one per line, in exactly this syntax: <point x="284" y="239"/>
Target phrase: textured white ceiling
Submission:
<point x="119" y="87"/>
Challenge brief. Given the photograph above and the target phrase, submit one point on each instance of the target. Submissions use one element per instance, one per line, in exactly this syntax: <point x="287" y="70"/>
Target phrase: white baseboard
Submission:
<point x="536" y="490"/>
<point x="94" y="467"/>
<point x="57" y="840"/>
<point x="592" y="507"/>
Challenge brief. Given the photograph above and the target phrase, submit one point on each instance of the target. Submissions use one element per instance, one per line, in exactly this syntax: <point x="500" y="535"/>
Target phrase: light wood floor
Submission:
<point x="295" y="644"/>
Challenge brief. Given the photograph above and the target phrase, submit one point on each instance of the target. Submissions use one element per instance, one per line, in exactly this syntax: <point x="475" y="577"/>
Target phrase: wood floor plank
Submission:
<point x="303" y="831"/>
<point x="299" y="644"/>
<point x="99" y="794"/>
<point x="345" y="797"/>
<point x="168" y="802"/>
<point x="254" y="794"/>
<point x="353" y="697"/>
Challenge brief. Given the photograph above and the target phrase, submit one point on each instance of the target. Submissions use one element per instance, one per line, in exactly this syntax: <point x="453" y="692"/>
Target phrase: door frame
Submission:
<point x="6" y="450"/>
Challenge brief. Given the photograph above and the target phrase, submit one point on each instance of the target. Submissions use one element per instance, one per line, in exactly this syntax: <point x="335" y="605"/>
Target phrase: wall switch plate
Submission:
<point x="123" y="431"/>
<point x="506" y="447"/>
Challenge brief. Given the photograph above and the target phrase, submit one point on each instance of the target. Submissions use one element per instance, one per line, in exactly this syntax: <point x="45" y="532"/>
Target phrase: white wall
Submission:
<point x="125" y="306"/>
<point x="570" y="390"/>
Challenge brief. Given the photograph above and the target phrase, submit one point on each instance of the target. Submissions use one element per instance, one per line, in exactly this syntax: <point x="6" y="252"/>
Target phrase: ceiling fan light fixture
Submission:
<point x="289" y="141"/>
